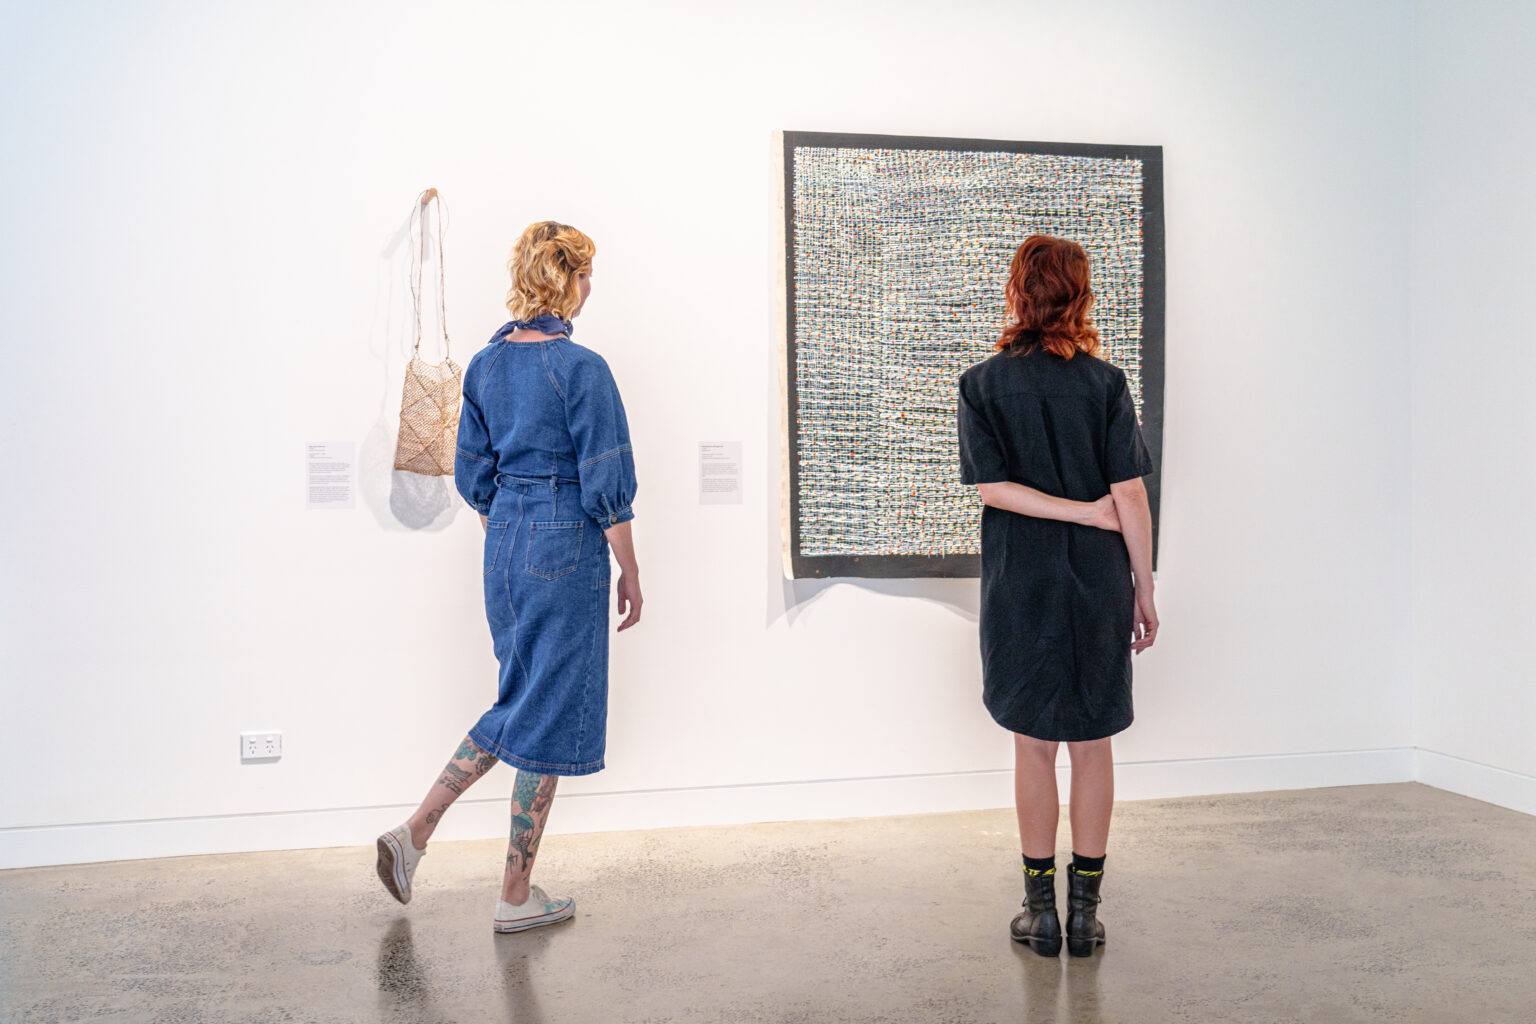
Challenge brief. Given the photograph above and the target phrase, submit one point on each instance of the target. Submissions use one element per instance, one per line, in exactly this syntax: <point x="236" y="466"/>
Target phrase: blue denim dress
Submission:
<point x="544" y="454"/>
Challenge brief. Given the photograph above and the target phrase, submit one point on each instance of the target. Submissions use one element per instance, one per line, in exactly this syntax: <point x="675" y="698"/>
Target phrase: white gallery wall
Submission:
<point x="204" y="268"/>
<point x="1474" y="432"/>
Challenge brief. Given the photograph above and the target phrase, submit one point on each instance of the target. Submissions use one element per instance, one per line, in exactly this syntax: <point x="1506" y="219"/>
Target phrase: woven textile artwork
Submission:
<point x="896" y="257"/>
<point x="429" y="417"/>
<point x="430" y="397"/>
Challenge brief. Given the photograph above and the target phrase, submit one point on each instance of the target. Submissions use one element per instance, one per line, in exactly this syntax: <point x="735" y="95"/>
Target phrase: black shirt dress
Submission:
<point x="1057" y="599"/>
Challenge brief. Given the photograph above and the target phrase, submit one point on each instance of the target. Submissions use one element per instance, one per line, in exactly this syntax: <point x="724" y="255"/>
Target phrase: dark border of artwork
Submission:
<point x="1152" y="336"/>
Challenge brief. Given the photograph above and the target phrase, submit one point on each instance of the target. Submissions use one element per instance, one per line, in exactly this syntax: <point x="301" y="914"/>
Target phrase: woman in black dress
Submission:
<point x="1048" y="435"/>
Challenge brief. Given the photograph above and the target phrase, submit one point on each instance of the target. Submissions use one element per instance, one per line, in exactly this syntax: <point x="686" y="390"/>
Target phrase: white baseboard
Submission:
<point x="717" y="805"/>
<point x="1479" y="781"/>
<point x="1155" y="780"/>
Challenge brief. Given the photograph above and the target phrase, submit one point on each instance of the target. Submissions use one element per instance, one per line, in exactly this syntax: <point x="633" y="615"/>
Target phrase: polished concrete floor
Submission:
<point x="1379" y="903"/>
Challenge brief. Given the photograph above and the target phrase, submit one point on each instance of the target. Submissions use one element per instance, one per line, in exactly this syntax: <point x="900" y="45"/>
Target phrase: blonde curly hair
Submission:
<point x="543" y="266"/>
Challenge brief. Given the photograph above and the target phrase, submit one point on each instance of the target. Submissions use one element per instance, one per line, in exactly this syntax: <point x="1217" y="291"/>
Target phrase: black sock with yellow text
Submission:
<point x="1087" y="865"/>
<point x="1036" y="867"/>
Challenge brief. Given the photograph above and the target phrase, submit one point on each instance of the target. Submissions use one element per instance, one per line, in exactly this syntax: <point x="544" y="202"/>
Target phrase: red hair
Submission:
<point x="1049" y="296"/>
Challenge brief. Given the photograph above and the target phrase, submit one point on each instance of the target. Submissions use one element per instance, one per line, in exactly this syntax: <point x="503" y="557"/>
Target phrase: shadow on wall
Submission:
<point x="961" y="596"/>
<point x="397" y="499"/>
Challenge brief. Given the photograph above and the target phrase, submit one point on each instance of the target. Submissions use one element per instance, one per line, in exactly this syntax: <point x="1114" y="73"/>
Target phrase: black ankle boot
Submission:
<point x="1038" y="923"/>
<point x="1084" y="931"/>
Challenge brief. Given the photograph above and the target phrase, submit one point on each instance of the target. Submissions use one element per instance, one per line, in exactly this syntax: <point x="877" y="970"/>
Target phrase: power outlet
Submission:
<point x="261" y="746"/>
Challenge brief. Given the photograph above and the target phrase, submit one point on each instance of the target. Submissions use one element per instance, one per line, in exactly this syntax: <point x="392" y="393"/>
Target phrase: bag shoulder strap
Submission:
<point x="419" y="258"/>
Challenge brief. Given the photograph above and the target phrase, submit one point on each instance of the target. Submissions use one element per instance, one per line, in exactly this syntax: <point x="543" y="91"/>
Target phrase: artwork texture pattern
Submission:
<point x="899" y="258"/>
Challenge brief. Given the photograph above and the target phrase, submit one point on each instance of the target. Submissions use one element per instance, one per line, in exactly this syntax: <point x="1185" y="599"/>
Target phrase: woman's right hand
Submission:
<point x="1104" y="516"/>
<point x="629" y="598"/>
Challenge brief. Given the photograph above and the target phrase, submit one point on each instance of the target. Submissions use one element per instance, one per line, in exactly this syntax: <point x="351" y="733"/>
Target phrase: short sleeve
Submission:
<point x="474" y="463"/>
<point x="600" y="433"/>
<point x="981" y="457"/>
<point x="1125" y="453"/>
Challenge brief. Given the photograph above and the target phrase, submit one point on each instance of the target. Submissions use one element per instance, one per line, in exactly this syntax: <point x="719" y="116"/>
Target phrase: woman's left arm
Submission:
<point x="600" y="434"/>
<point x="1027" y="501"/>
<point x="606" y="466"/>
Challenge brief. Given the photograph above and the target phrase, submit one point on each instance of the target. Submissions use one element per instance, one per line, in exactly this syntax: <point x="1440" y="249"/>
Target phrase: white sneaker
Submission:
<point x="398" y="858"/>
<point x="538" y="910"/>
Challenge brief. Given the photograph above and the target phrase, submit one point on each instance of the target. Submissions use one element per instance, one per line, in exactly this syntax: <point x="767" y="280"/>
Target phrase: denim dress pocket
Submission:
<point x="495" y="533"/>
<point x="554" y="548"/>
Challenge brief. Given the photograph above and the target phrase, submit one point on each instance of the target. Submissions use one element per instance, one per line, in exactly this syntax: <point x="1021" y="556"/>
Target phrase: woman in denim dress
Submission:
<point x="544" y="457"/>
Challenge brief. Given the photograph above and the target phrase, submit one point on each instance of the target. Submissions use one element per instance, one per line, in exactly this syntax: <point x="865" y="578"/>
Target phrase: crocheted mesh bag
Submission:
<point x="429" y="404"/>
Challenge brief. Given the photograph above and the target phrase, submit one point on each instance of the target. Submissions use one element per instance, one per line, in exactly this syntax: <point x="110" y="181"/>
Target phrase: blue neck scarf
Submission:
<point x="544" y="323"/>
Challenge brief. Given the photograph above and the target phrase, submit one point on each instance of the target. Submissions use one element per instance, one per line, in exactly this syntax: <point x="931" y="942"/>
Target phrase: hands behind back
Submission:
<point x="1104" y="515"/>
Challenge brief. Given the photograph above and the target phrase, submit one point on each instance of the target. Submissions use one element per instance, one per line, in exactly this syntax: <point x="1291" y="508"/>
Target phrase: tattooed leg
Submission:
<point x="531" y="798"/>
<point x="466" y="766"/>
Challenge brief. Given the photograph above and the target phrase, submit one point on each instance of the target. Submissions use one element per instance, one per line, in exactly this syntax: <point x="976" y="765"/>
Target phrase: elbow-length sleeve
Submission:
<point x="981" y="457"/>
<point x="600" y="432"/>
<point x="474" y="462"/>
<point x="1125" y="453"/>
